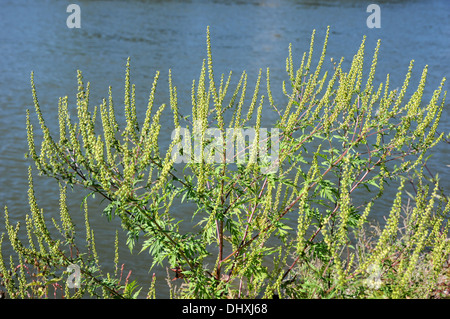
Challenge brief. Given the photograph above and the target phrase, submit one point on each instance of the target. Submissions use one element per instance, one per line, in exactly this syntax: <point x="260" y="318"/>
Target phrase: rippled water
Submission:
<point x="163" y="35"/>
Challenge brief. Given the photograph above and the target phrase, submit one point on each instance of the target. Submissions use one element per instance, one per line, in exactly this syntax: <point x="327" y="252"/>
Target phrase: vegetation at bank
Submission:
<point x="300" y="225"/>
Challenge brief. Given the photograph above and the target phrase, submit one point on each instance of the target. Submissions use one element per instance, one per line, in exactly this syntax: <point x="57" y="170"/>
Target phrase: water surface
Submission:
<point x="163" y="35"/>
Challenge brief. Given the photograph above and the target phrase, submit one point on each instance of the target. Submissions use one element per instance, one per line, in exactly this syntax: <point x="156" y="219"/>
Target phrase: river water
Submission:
<point x="163" y="35"/>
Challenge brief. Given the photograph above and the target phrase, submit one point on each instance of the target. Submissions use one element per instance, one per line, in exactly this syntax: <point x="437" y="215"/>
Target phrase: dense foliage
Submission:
<point x="296" y="224"/>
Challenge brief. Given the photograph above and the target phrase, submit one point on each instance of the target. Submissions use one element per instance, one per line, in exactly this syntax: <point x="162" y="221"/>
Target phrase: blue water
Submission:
<point x="163" y="35"/>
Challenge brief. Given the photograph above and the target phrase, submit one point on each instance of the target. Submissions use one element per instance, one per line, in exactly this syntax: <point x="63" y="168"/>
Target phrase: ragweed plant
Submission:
<point x="293" y="224"/>
<point x="42" y="266"/>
